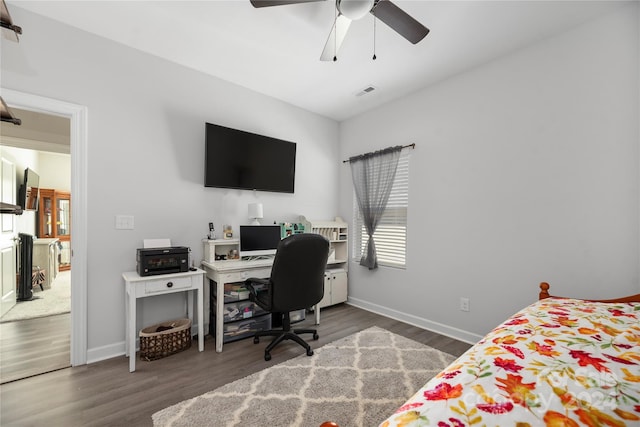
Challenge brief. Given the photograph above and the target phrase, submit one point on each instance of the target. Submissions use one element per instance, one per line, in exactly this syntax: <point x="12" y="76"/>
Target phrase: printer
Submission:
<point x="153" y="261"/>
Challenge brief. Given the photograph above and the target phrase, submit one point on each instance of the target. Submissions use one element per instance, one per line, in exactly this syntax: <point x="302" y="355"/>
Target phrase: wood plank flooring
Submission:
<point x="34" y="346"/>
<point x="106" y="394"/>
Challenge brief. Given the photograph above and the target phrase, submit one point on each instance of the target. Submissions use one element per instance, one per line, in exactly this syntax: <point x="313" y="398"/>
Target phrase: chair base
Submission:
<point x="281" y="335"/>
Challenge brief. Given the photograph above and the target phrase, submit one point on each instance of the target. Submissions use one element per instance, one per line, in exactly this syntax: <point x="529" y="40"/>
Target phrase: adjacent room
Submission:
<point x="421" y="166"/>
<point x="39" y="309"/>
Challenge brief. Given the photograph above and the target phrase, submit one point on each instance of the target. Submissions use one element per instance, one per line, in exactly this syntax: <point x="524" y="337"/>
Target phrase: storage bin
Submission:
<point x="241" y="310"/>
<point x="294" y="317"/>
<point x="246" y="328"/>
<point x="297" y="316"/>
<point x="156" y="345"/>
<point x="235" y="291"/>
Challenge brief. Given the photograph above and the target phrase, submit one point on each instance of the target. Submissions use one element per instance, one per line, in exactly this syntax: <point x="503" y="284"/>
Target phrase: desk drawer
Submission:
<point x="164" y="285"/>
<point x="256" y="272"/>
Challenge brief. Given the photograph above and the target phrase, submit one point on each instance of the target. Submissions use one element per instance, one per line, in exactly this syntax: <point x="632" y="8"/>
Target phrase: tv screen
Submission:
<point x="258" y="240"/>
<point x="29" y="191"/>
<point x="247" y="161"/>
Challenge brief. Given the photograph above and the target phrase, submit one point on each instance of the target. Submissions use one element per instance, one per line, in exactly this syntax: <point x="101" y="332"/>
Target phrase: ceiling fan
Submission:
<point x="352" y="10"/>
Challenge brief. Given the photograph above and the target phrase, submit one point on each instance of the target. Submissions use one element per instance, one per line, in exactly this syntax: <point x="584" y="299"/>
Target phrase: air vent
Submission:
<point x="366" y="90"/>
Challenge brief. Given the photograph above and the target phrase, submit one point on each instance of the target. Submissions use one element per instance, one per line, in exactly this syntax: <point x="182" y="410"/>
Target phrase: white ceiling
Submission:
<point x="276" y="50"/>
<point x="38" y="131"/>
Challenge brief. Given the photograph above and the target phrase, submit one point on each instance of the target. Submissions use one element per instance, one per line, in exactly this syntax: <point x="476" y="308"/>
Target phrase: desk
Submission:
<point x="230" y="271"/>
<point x="148" y="286"/>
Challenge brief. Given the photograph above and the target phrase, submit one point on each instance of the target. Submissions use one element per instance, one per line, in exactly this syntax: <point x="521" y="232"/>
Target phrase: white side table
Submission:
<point x="148" y="286"/>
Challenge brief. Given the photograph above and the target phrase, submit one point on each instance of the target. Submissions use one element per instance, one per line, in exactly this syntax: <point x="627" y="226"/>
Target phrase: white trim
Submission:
<point x="79" y="140"/>
<point x="458" y="334"/>
<point x="98" y="354"/>
<point x="30" y="144"/>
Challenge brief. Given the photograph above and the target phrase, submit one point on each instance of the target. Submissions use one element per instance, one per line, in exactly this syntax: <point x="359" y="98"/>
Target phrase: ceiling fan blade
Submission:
<point x="400" y="21"/>
<point x="338" y="32"/>
<point x="268" y="3"/>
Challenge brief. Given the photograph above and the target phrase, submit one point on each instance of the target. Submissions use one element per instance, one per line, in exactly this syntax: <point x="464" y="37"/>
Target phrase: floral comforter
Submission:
<point x="558" y="362"/>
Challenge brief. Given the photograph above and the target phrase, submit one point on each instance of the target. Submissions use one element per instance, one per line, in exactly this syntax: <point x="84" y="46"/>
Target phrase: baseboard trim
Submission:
<point x="118" y="349"/>
<point x="110" y="351"/>
<point x="105" y="352"/>
<point x="458" y="334"/>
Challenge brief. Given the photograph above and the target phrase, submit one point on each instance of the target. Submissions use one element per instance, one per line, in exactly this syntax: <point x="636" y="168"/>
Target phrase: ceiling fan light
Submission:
<point x="354" y="9"/>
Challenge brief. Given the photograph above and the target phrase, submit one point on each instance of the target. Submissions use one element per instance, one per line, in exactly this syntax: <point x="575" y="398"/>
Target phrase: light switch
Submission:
<point x="124" y="222"/>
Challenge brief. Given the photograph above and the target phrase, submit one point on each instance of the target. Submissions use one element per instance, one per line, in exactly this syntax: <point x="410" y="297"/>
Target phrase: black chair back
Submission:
<point x="297" y="275"/>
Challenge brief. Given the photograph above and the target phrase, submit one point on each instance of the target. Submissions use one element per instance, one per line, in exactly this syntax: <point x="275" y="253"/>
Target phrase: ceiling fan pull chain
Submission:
<point x="374" y="34"/>
<point x="335" y="34"/>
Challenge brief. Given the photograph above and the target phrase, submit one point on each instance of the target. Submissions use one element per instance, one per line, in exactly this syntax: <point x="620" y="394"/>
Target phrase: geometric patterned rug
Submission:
<point x="358" y="381"/>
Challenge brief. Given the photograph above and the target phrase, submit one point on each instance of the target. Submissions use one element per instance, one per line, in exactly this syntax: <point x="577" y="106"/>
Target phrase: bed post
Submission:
<point x="544" y="291"/>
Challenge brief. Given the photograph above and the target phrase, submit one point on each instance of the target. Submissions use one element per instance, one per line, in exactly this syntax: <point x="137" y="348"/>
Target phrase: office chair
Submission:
<point x="296" y="282"/>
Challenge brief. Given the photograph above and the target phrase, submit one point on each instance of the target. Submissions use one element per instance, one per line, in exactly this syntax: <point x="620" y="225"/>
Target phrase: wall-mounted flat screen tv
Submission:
<point x="29" y="191"/>
<point x="247" y="161"/>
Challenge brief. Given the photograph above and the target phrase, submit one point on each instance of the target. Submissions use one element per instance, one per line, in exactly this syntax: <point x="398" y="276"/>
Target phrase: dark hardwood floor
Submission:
<point x="34" y="346"/>
<point x="106" y="394"/>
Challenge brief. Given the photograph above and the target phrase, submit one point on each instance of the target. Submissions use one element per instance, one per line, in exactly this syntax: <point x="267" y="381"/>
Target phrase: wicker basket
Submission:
<point x="156" y="345"/>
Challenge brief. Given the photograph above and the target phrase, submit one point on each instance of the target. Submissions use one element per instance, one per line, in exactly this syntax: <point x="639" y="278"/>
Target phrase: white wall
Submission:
<point x="145" y="155"/>
<point x="55" y="170"/>
<point x="526" y="170"/>
<point x="22" y="159"/>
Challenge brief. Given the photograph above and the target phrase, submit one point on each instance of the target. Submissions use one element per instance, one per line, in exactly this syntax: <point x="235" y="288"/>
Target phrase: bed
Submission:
<point x="557" y="362"/>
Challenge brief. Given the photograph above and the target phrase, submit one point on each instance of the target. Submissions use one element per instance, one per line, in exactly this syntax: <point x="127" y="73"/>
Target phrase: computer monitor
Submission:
<point x="259" y="240"/>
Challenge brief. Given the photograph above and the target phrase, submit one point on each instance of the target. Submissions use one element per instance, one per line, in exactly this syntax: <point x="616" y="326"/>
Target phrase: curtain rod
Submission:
<point x="373" y="152"/>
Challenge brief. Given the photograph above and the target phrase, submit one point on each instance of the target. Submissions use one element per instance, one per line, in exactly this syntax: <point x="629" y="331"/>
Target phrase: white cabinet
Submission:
<point x="217" y="250"/>
<point x="336" y="231"/>
<point x="337" y="234"/>
<point x="45" y="256"/>
<point x="335" y="287"/>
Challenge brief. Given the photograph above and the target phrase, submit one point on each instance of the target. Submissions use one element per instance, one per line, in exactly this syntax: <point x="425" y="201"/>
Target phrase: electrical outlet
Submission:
<point x="464" y="304"/>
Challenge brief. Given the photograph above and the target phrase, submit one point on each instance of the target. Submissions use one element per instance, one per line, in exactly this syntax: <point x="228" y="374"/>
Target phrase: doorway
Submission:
<point x="77" y="115"/>
<point x="35" y="331"/>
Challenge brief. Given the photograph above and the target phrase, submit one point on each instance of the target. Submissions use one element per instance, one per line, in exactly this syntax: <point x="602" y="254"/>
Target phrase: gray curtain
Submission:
<point x="373" y="175"/>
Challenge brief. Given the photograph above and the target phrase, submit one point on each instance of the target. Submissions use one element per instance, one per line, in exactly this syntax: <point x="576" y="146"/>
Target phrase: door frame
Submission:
<point x="78" y="144"/>
<point x="8" y="238"/>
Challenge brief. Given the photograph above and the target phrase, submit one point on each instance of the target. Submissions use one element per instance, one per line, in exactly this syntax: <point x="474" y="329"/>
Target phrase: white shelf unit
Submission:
<point x="337" y="233"/>
<point x="220" y="247"/>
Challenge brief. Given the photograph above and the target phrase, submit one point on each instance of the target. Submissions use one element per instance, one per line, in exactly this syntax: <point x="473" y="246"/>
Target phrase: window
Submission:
<point x="391" y="235"/>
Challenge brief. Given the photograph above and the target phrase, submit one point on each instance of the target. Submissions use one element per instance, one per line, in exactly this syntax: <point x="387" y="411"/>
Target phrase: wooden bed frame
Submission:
<point x="544" y="293"/>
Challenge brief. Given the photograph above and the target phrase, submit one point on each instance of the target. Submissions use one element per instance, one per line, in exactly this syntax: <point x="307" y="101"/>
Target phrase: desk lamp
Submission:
<point x="255" y="212"/>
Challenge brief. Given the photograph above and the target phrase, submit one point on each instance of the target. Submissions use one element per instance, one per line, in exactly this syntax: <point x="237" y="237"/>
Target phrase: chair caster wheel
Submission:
<point x="267" y="357"/>
<point x="256" y="340"/>
<point x="315" y="337"/>
<point x="309" y="352"/>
